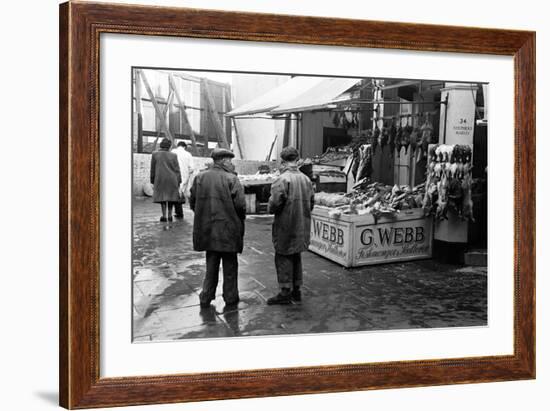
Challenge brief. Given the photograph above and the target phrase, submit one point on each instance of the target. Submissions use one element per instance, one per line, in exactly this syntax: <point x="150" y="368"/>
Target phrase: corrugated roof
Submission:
<point x="326" y="92"/>
<point x="277" y="96"/>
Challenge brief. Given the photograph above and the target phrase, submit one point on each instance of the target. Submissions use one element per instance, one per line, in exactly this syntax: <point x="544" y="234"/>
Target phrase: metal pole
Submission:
<point x="445" y="125"/>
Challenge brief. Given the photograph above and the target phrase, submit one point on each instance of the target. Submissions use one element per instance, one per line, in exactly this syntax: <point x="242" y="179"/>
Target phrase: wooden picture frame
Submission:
<point x="80" y="27"/>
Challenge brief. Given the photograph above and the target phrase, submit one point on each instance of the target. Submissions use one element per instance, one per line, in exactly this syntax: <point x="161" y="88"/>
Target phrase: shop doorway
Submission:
<point x="334" y="137"/>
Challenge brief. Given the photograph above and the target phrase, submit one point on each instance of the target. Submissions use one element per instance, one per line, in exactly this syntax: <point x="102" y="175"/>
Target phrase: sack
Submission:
<point x="148" y="189"/>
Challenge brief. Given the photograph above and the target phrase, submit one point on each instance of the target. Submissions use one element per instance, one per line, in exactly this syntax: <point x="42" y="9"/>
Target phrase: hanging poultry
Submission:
<point x="399" y="139"/>
<point x="442" y="198"/>
<point x="369" y="137"/>
<point x="365" y="164"/>
<point x="467" y="204"/>
<point x="415" y="137"/>
<point x="384" y="136"/>
<point x="375" y="136"/>
<point x="455" y="192"/>
<point x="391" y="138"/>
<point x="355" y="162"/>
<point x="336" y="119"/>
<point x="426" y="135"/>
<point x="406" y="135"/>
<point x="355" y="120"/>
<point x="430" y="197"/>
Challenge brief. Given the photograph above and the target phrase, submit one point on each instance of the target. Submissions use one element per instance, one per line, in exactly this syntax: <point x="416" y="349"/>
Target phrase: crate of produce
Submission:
<point x="374" y="223"/>
<point x="354" y="240"/>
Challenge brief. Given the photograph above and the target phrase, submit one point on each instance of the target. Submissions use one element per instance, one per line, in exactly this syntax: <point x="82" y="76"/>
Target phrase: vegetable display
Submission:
<point x="376" y="199"/>
<point x="268" y="177"/>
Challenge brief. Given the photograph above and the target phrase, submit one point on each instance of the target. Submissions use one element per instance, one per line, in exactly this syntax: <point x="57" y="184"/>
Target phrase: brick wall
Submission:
<point x="142" y="163"/>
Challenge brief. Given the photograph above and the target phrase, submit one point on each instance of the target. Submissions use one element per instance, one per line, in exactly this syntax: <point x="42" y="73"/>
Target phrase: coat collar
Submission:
<point x="224" y="168"/>
<point x="290" y="168"/>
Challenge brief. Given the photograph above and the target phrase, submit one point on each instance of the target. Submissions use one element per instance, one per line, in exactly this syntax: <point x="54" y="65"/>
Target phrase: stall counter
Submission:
<point x="354" y="240"/>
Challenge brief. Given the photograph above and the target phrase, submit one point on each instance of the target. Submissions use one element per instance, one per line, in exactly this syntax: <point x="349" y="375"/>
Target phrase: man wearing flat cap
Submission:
<point x="217" y="198"/>
<point x="291" y="202"/>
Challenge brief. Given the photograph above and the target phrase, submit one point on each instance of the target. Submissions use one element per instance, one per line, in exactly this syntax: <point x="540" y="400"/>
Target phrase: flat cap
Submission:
<point x="219" y="153"/>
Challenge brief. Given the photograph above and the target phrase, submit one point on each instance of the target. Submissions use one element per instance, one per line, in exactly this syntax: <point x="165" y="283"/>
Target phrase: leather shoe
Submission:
<point x="279" y="299"/>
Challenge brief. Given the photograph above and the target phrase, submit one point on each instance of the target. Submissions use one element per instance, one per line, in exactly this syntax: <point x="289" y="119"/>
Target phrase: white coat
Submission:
<point x="185" y="161"/>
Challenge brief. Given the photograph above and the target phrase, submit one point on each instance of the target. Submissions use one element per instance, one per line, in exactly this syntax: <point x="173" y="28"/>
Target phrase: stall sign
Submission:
<point x="459" y="113"/>
<point x="393" y="241"/>
<point x="330" y="239"/>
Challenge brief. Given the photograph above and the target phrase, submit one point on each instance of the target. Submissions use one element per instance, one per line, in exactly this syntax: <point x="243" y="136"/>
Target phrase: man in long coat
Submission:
<point x="291" y="202"/>
<point x="217" y="198"/>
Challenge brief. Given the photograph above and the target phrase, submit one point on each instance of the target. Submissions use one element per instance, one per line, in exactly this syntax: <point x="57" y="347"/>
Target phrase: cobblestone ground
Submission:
<point x="167" y="278"/>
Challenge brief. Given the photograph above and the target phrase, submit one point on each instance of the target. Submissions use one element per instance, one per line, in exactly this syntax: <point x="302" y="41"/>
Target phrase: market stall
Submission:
<point x="257" y="188"/>
<point x="370" y="222"/>
<point x="391" y="162"/>
<point x="366" y="226"/>
<point x="375" y="223"/>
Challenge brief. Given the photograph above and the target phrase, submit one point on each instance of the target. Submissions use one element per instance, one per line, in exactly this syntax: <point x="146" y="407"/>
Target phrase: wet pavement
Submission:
<point x="167" y="278"/>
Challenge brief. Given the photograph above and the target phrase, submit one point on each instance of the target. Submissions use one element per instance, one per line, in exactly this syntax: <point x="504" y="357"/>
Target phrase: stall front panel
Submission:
<point x="356" y="240"/>
<point x="331" y="238"/>
<point x="407" y="237"/>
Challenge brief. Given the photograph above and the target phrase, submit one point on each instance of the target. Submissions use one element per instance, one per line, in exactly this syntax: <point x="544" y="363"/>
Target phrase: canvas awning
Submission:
<point x="275" y="97"/>
<point x="326" y="92"/>
<point x="297" y="94"/>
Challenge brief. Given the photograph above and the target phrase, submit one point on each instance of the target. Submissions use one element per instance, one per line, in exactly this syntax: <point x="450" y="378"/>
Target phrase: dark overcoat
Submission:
<point x="217" y="198"/>
<point x="165" y="176"/>
<point x="291" y="202"/>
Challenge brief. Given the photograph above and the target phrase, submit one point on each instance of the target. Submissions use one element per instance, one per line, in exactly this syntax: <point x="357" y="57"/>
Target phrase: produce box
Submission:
<point x="357" y="240"/>
<point x="257" y="182"/>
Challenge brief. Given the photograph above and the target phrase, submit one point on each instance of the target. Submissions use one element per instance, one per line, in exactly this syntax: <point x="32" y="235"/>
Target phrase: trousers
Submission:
<point x="289" y="270"/>
<point x="178" y="208"/>
<point x="210" y="283"/>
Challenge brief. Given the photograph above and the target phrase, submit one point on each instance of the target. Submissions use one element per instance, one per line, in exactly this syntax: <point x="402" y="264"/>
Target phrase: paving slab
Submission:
<point x="168" y="274"/>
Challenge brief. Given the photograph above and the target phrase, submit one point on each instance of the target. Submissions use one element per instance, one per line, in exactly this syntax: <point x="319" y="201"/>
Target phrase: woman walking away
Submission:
<point x="166" y="179"/>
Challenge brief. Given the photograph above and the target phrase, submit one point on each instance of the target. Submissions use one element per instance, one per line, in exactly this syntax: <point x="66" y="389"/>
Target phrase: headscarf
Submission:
<point x="165" y="144"/>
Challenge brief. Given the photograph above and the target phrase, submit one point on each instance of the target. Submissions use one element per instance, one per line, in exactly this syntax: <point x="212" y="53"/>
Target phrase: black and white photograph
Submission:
<point x="269" y="204"/>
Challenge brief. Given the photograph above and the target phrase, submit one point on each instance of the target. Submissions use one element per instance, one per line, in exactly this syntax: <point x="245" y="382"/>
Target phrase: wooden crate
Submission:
<point x="358" y="240"/>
